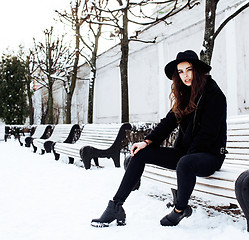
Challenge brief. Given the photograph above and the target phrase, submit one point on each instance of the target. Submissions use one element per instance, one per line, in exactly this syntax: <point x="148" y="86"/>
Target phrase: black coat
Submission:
<point x="204" y="130"/>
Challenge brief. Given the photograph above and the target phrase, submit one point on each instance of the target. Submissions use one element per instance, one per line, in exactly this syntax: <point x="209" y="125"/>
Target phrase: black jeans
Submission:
<point x="187" y="168"/>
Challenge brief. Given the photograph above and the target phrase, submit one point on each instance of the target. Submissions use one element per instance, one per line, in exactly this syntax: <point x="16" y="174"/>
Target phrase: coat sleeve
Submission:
<point x="211" y="120"/>
<point x="163" y="129"/>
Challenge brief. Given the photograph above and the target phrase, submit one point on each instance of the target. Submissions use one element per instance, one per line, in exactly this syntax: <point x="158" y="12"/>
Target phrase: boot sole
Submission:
<point x="99" y="224"/>
<point x="106" y="224"/>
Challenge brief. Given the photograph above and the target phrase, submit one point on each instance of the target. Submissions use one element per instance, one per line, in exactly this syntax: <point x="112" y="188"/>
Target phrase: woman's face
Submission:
<point x="185" y="71"/>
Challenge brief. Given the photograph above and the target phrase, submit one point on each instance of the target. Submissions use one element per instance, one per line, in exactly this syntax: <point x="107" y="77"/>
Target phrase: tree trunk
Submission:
<point x="124" y="68"/>
<point x="93" y="75"/>
<point x="91" y="95"/>
<point x="28" y="79"/>
<point x="208" y="43"/>
<point x="30" y="102"/>
<point x="68" y="108"/>
<point x="74" y="75"/>
<point x="50" y="103"/>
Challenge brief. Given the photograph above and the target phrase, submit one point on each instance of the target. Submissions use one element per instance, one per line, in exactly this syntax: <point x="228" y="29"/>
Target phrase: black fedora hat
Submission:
<point x="187" y="56"/>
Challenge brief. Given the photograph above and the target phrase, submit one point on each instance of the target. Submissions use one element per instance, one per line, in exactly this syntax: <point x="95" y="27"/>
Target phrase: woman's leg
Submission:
<point x="188" y="168"/>
<point x="165" y="157"/>
<point x="161" y="156"/>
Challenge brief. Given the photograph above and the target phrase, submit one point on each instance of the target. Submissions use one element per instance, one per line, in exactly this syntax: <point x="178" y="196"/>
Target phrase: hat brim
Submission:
<point x="171" y="66"/>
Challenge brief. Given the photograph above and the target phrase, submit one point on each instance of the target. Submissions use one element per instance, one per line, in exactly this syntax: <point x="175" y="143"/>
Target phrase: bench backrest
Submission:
<point x="237" y="161"/>
<point x="61" y="132"/>
<point x="2" y="132"/>
<point x="238" y="141"/>
<point x="100" y="136"/>
<point x="40" y="131"/>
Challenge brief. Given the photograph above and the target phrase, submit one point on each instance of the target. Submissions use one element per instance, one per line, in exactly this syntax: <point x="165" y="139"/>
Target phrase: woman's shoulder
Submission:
<point x="212" y="87"/>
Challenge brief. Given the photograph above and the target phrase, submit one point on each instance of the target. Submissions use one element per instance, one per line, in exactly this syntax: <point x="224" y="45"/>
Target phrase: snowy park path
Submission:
<point x="44" y="199"/>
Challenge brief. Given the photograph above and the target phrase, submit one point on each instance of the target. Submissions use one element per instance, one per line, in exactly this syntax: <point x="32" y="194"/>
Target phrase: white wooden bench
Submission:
<point x="2" y="132"/>
<point x="14" y="130"/>
<point x="28" y="132"/>
<point x="96" y="140"/>
<point x="42" y="131"/>
<point x="62" y="133"/>
<point x="221" y="183"/>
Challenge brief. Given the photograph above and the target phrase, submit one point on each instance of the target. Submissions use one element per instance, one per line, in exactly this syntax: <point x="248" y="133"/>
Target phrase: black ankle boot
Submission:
<point x="114" y="211"/>
<point x="174" y="217"/>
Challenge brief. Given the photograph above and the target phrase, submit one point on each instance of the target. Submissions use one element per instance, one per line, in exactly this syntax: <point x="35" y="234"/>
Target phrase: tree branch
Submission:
<point x="143" y="41"/>
<point x="171" y="13"/>
<point x="223" y="24"/>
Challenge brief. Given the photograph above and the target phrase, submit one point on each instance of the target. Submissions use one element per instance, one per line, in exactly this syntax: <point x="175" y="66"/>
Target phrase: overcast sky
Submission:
<point x="21" y="20"/>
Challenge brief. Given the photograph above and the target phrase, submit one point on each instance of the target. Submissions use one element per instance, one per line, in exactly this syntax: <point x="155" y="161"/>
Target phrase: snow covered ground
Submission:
<point x="44" y="199"/>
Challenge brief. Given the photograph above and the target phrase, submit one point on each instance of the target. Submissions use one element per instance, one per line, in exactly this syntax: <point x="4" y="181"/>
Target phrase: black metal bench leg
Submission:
<point x="86" y="156"/>
<point x="96" y="161"/>
<point x="71" y="160"/>
<point x="116" y="159"/>
<point x="35" y="148"/>
<point x="242" y="193"/>
<point x="28" y="141"/>
<point x="87" y="162"/>
<point x="20" y="141"/>
<point x="56" y="155"/>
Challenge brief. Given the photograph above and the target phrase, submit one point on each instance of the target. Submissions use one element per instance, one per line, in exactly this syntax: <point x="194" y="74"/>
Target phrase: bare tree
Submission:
<point x="74" y="18"/>
<point x="30" y="66"/>
<point x="49" y="56"/>
<point x="126" y="12"/>
<point x="30" y="69"/>
<point x="85" y="46"/>
<point x="92" y="59"/>
<point x="210" y="32"/>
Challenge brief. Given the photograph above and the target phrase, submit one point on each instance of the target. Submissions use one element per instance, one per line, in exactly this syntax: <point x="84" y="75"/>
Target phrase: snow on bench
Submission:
<point x="62" y="133"/>
<point x="2" y="132"/>
<point x="222" y="182"/>
<point x="96" y="140"/>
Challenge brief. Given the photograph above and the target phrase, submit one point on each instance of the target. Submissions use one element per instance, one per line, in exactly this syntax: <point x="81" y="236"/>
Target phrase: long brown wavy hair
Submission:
<point x="183" y="98"/>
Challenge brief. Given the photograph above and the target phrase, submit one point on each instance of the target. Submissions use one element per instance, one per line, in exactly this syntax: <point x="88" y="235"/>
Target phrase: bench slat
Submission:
<point x="2" y="132"/>
<point x="238" y="144"/>
<point x="237" y="126"/>
<point x="237" y="151"/>
<point x="238" y="132"/>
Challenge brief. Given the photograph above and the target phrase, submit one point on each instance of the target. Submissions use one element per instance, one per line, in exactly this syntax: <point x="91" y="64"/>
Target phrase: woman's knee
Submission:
<point x="140" y="157"/>
<point x="146" y="152"/>
<point x="201" y="164"/>
<point x="185" y="163"/>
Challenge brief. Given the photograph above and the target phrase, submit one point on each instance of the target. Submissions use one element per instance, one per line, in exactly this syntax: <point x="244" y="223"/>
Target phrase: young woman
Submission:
<point x="199" y="109"/>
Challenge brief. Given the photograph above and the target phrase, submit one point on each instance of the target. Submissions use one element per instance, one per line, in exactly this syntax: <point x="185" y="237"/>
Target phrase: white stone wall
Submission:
<point x="37" y="105"/>
<point x="107" y="95"/>
<point x="79" y="108"/>
<point x="59" y="97"/>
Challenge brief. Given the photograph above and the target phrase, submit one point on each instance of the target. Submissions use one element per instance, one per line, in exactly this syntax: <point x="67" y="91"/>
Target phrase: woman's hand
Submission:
<point x="138" y="146"/>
